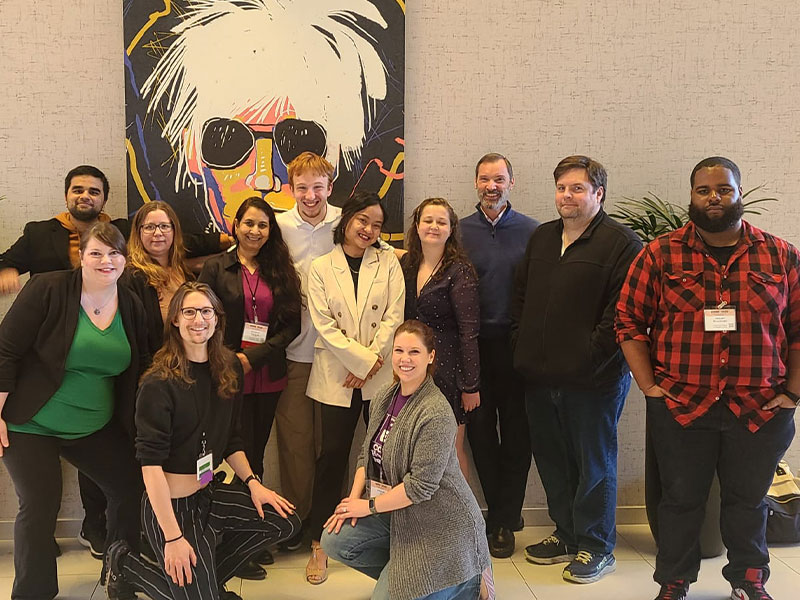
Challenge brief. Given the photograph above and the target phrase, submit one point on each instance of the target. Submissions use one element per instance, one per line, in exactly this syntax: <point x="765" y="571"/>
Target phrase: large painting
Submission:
<point x="222" y="94"/>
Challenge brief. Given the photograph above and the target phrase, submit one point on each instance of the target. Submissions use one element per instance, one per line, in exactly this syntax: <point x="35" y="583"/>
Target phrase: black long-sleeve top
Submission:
<point x="172" y="416"/>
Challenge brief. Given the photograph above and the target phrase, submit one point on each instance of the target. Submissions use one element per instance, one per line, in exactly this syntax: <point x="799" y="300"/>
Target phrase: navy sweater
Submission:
<point x="496" y="251"/>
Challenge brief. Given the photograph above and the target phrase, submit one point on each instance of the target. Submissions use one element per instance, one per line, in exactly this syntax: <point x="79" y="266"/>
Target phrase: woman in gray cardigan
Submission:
<point x="420" y="510"/>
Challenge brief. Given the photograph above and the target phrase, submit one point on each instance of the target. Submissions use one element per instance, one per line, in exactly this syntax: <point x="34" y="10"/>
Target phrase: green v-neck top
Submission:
<point x="84" y="402"/>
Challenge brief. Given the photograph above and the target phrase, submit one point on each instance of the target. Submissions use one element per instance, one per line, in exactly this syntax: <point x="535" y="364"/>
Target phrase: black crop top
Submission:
<point x="171" y="417"/>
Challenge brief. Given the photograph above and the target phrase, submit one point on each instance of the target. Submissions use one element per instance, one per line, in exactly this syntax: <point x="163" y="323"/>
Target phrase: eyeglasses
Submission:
<point x="190" y="312"/>
<point x="226" y="143"/>
<point x="162" y="227"/>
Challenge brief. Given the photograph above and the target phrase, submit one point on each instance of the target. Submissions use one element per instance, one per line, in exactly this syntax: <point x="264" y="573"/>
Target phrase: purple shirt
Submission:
<point x="258" y="381"/>
<point x="376" y="448"/>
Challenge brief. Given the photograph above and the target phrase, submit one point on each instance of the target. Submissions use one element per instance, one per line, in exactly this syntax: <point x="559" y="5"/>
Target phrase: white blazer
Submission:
<point x="353" y="332"/>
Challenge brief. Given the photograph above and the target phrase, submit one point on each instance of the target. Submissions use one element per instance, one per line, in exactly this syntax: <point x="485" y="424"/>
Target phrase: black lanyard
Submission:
<point x="252" y="291"/>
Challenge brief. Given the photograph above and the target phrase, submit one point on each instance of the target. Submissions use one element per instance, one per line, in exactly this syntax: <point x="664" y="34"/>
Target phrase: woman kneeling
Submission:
<point x="420" y="511"/>
<point x="187" y="414"/>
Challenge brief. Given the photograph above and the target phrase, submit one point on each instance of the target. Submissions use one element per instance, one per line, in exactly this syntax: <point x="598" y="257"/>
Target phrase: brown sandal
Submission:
<point x="314" y="573"/>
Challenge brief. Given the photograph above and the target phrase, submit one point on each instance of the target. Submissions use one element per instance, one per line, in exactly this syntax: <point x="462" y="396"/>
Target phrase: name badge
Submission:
<point x="254" y="333"/>
<point x="205" y="468"/>
<point x="720" y="319"/>
<point x="376" y="488"/>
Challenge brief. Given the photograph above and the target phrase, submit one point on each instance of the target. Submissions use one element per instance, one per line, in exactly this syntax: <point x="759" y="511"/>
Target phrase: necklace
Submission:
<point x="97" y="309"/>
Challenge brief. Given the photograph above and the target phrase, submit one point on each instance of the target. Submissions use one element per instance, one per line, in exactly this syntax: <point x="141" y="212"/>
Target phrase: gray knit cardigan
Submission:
<point x="440" y="540"/>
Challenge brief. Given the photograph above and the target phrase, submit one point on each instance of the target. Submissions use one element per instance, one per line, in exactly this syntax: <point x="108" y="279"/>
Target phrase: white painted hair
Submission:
<point x="258" y="55"/>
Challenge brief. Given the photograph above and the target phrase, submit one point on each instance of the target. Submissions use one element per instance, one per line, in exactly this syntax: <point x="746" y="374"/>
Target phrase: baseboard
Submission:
<point x="626" y="515"/>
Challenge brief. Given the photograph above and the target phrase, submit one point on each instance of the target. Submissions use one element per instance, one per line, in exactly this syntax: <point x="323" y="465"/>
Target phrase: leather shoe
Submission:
<point x="252" y="571"/>
<point x="501" y="542"/>
<point x="264" y="557"/>
<point x="520" y="524"/>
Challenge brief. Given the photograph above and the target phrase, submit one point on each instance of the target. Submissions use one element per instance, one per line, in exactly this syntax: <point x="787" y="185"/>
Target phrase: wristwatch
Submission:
<point x="792" y="396"/>
<point x="252" y="476"/>
<point x="372" y="509"/>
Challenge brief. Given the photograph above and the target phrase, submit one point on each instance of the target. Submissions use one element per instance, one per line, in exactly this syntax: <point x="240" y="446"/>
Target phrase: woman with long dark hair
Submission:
<point x="442" y="292"/>
<point x="187" y="414"/>
<point x="418" y="531"/>
<point x="355" y="296"/>
<point x="259" y="288"/>
<point x="72" y="347"/>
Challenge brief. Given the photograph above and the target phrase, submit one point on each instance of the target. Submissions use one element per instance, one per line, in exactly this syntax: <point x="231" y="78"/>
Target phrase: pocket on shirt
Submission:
<point x="765" y="292"/>
<point x="683" y="292"/>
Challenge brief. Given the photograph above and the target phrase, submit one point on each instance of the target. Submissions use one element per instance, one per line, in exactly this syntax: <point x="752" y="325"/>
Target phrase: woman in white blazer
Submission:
<point x="356" y="296"/>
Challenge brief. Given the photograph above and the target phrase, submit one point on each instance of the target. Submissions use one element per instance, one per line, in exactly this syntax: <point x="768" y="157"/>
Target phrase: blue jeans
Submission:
<point x="365" y="548"/>
<point x="574" y="444"/>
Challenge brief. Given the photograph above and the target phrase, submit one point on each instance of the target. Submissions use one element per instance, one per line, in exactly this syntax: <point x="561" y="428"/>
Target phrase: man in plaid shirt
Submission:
<point x="709" y="321"/>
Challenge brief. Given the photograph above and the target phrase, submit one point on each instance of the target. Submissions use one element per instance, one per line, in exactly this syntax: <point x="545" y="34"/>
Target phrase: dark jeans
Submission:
<point x="574" y="443"/>
<point x="258" y="413"/>
<point x="745" y="464"/>
<point x="338" y="426"/>
<point x="502" y="458"/>
<point x="33" y="462"/>
<point x="224" y="529"/>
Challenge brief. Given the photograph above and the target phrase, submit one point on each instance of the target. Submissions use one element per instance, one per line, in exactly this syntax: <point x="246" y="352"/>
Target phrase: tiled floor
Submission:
<point x="515" y="578"/>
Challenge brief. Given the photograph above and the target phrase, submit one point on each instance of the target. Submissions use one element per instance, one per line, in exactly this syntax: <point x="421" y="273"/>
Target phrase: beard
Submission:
<point x="727" y="219"/>
<point x="86" y="216"/>
<point x="497" y="204"/>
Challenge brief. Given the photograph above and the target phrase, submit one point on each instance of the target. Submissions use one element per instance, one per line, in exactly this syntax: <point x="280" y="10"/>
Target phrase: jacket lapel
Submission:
<point x="73" y="308"/>
<point x="341" y="272"/>
<point x="366" y="277"/>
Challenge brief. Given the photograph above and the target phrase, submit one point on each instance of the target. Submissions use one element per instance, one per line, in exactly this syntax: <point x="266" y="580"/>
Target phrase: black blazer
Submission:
<point x="44" y="246"/>
<point x="137" y="282"/>
<point x="36" y="335"/>
<point x="223" y="274"/>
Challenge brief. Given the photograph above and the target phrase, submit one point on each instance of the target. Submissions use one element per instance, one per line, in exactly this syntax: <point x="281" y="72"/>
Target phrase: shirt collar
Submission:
<point x="688" y="235"/>
<point x="506" y="210"/>
<point x="332" y="213"/>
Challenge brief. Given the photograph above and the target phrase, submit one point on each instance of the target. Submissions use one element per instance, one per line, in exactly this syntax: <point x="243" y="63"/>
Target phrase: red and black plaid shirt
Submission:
<point x="669" y="284"/>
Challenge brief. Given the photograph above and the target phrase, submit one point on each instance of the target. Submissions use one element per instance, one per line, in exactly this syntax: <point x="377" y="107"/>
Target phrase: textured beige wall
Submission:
<point x="646" y="88"/>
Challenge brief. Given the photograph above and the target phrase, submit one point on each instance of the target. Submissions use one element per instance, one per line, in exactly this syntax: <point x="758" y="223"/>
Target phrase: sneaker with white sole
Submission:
<point x="751" y="588"/>
<point x="674" y="590"/>
<point x="588" y="567"/>
<point x="550" y="551"/>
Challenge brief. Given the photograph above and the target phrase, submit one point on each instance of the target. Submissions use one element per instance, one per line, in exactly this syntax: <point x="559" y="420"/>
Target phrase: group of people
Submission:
<point x="517" y="337"/>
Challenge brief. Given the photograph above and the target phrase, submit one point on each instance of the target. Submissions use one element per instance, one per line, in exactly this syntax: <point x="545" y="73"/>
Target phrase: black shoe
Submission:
<point x="294" y="543"/>
<point x="94" y="539"/>
<point x="588" y="567"/>
<point x="674" y="590"/>
<point x="501" y="542"/>
<point x="264" y="557"/>
<point x="252" y="571"/>
<point x="113" y="580"/>
<point x="549" y="551"/>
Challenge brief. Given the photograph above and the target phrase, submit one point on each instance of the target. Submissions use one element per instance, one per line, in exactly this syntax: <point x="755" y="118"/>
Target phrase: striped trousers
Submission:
<point x="223" y="527"/>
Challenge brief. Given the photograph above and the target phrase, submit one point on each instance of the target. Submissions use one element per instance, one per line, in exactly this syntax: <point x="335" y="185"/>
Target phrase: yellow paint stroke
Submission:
<point x="393" y="171"/>
<point x="402" y="5"/>
<point x="135" y="171"/>
<point x="151" y="21"/>
<point x="393" y="237"/>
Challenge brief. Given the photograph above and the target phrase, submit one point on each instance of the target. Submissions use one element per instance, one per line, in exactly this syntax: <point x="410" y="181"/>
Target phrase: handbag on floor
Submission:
<point x="783" y="503"/>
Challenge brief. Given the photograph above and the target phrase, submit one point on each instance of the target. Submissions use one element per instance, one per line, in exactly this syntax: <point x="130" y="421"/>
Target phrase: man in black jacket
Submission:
<point x="563" y="309"/>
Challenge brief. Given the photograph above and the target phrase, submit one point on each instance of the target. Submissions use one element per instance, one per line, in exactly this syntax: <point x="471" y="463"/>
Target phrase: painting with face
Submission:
<point x="221" y="95"/>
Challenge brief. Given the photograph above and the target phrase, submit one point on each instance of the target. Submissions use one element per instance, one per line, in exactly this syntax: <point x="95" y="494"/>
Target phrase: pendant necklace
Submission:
<point x="97" y="309"/>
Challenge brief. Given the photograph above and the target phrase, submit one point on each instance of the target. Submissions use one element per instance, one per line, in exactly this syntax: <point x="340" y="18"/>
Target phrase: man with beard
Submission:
<point x="709" y="321"/>
<point x="562" y="312"/>
<point x="495" y="236"/>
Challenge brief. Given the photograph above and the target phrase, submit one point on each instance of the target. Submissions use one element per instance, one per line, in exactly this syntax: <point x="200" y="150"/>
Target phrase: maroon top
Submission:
<point x="258" y="381"/>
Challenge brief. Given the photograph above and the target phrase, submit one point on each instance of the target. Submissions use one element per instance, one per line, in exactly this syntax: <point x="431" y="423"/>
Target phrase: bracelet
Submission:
<point x="792" y="396"/>
<point x="173" y="540"/>
<point x="373" y="510"/>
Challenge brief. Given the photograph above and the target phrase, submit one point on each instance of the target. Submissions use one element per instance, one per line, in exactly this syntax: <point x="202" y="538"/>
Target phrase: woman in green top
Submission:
<point x="69" y="360"/>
